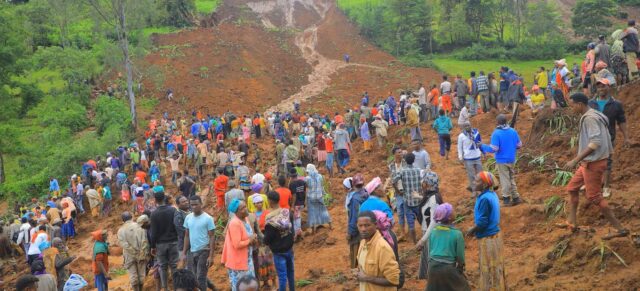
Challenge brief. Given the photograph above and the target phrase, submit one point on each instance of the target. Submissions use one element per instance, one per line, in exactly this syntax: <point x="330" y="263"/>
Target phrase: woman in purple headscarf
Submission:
<point x="446" y="253"/>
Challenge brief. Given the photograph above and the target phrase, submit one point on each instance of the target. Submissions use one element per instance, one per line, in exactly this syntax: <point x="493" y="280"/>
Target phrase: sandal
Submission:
<point x="570" y="226"/>
<point x="619" y="233"/>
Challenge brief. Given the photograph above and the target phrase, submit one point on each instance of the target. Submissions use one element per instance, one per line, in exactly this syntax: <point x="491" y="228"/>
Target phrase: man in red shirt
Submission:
<point x="338" y="118"/>
<point x="142" y="176"/>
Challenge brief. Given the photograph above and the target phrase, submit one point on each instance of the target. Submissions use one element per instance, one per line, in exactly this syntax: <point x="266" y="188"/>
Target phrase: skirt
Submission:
<point x="266" y="268"/>
<point x="322" y="156"/>
<point x="68" y="229"/>
<point x="235" y="275"/>
<point x="444" y="276"/>
<point x="244" y="183"/>
<point x="317" y="213"/>
<point x="491" y="261"/>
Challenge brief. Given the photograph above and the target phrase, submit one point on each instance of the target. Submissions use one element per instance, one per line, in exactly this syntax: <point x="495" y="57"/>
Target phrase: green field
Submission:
<point x="527" y="68"/>
<point x="207" y="6"/>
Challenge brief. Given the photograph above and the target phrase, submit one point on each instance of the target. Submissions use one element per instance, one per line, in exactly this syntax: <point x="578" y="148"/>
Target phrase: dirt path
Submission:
<point x="307" y="42"/>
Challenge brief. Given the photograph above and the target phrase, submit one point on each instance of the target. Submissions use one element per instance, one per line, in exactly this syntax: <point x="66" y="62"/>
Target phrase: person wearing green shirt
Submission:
<point x="446" y="253"/>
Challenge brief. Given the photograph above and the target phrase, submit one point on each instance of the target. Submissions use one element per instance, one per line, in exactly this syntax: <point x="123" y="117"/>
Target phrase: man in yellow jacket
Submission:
<point x="378" y="269"/>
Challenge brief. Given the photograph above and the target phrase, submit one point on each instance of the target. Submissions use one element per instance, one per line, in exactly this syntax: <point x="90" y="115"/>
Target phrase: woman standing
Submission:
<point x="446" y="253"/>
<point x="266" y="269"/>
<point x="364" y="134"/>
<point x="68" y="229"/>
<point x="238" y="244"/>
<point x="317" y="212"/>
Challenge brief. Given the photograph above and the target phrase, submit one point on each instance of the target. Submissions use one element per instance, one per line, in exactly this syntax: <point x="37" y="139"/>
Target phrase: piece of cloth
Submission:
<point x="508" y="186"/>
<point x="594" y="133"/>
<point x="589" y="174"/>
<point x="445" y="276"/>
<point x="491" y="262"/>
<point x="285" y="270"/>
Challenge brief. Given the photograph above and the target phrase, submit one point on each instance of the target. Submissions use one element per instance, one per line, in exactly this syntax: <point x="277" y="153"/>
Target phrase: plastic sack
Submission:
<point x="75" y="283"/>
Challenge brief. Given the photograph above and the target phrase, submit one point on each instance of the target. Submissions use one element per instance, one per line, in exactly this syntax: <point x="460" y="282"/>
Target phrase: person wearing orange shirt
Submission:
<point x="338" y="118"/>
<point x="285" y="193"/>
<point x="142" y="176"/>
<point x="434" y="101"/>
<point x="256" y="126"/>
<point x="220" y="184"/>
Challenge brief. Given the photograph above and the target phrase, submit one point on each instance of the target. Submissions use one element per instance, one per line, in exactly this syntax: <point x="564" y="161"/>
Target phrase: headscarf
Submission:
<point x="142" y="219"/>
<point x="373" y="185"/>
<point x="279" y="219"/>
<point x="257" y="198"/>
<point x="97" y="235"/>
<point x="383" y="223"/>
<point x="488" y="179"/>
<point x="311" y="169"/>
<point x="256" y="188"/>
<point x="234" y="205"/>
<point x="443" y="213"/>
<point x="100" y="246"/>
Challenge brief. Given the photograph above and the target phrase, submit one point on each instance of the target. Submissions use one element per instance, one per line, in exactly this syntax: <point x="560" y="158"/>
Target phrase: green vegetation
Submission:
<point x="207" y="6"/>
<point x="452" y="66"/>
<point x="53" y="56"/>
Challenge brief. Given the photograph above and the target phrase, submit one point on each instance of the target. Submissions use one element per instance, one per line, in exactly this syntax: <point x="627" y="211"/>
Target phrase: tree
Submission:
<point x="115" y="14"/>
<point x="503" y="11"/>
<point x="519" y="14"/>
<point x="590" y="17"/>
<point x="477" y="14"/>
<point x="180" y="12"/>
<point x="543" y="19"/>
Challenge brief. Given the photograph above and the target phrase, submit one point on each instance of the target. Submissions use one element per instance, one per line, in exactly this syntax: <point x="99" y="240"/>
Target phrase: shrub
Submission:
<point x="62" y="111"/>
<point x="111" y="112"/>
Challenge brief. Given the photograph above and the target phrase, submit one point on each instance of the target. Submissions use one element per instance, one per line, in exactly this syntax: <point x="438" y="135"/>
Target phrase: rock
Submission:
<point x="543" y="267"/>
<point x="542" y="276"/>
<point x="330" y="241"/>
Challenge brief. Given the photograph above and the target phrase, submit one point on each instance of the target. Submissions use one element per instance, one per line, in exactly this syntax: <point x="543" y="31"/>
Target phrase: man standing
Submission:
<point x="378" y="268"/>
<point x="200" y="240"/>
<point x="594" y="150"/>
<point x="464" y="114"/>
<point x="233" y="193"/>
<point x="135" y="247"/>
<point x="413" y="121"/>
<point x="411" y="192"/>
<point x="505" y="142"/>
<point x="469" y="153"/>
<point x="630" y="46"/>
<point x="422" y="102"/>
<point x="279" y="236"/>
<point x="614" y="111"/>
<point x="483" y="91"/>
<point x="381" y="131"/>
<point x="357" y="197"/>
<point x="178" y="218"/>
<point x="442" y="125"/>
<point x="422" y="159"/>
<point x="473" y="92"/>
<point x="164" y="238"/>
<point x="342" y="144"/>
<point x="602" y="51"/>
<point x="461" y="89"/>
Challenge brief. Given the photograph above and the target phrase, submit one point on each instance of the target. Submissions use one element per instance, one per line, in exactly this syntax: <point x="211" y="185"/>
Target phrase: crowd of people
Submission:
<point x="258" y="202"/>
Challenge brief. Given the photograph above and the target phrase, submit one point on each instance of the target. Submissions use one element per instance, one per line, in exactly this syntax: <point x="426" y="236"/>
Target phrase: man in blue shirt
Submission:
<point x="54" y="187"/>
<point x="504" y="144"/>
<point x="487" y="230"/>
<point x="200" y="239"/>
<point x="358" y="196"/>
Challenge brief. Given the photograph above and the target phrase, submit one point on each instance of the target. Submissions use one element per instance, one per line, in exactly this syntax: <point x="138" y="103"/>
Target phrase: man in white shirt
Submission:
<point x="23" y="236"/>
<point x="464" y="115"/>
<point x="422" y="102"/>
<point x="469" y="152"/>
<point x="422" y="160"/>
<point x="445" y="86"/>
<point x="34" y="249"/>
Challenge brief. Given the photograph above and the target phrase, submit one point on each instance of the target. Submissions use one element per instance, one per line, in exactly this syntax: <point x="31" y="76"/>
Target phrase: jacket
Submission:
<point x="235" y="252"/>
<point x="442" y="124"/>
<point x="380" y="261"/>
<point x="162" y="228"/>
<point x="630" y="40"/>
<point x="133" y="240"/>
<point x="594" y="133"/>
<point x="278" y="239"/>
<point x="468" y="146"/>
<point x="381" y="127"/>
<point x="412" y="117"/>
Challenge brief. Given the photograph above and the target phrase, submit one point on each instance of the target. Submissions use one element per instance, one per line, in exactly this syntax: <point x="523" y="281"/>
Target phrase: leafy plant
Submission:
<point x="490" y="165"/>
<point x="553" y="206"/>
<point x="539" y="161"/>
<point x="303" y="282"/>
<point x="204" y="72"/>
<point x="327" y="198"/>
<point x="558" y="249"/>
<point x="573" y="141"/>
<point x="603" y="250"/>
<point x="559" y="124"/>
<point x="459" y="219"/>
<point x="562" y="178"/>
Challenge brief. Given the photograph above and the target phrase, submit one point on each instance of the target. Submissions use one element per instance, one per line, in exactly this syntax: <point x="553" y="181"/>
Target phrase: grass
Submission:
<point x="159" y="30"/>
<point x="206" y="6"/>
<point x="527" y="68"/>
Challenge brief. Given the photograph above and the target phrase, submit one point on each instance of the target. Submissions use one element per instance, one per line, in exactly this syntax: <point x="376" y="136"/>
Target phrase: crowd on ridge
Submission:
<point x="167" y="234"/>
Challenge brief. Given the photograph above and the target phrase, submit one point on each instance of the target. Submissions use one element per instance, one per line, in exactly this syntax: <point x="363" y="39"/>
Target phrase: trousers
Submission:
<point x="167" y="256"/>
<point x="284" y="267"/>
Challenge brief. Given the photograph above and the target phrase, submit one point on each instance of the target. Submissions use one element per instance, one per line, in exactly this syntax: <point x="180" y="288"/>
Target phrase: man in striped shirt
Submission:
<point x="411" y="192"/>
